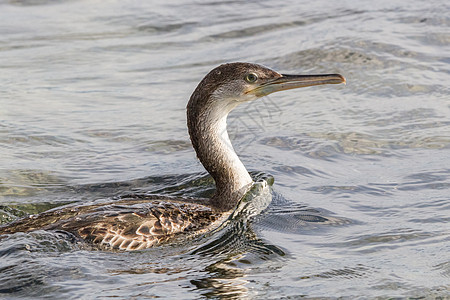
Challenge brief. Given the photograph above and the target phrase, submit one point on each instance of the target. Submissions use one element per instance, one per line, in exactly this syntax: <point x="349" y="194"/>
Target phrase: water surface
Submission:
<point x="92" y="106"/>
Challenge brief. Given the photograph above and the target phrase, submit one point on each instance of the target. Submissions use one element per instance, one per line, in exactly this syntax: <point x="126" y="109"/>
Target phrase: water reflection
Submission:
<point x="224" y="281"/>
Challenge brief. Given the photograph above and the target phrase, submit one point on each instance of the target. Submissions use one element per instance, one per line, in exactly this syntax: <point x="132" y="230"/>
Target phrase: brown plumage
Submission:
<point x="128" y="224"/>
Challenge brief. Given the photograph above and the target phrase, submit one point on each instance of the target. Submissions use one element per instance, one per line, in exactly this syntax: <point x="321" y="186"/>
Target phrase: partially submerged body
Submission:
<point x="127" y="224"/>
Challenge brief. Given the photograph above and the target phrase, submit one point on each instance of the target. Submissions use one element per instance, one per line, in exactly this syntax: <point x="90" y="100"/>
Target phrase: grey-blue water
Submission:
<point x="92" y="106"/>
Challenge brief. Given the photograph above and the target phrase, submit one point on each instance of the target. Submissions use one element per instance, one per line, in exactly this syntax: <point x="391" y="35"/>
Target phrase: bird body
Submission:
<point x="139" y="223"/>
<point x="126" y="224"/>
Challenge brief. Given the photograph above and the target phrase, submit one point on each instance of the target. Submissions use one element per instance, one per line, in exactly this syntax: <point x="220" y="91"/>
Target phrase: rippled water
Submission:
<point x="92" y="106"/>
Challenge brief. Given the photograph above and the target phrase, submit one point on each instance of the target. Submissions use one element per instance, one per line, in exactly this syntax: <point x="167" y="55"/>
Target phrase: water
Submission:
<point x="93" y="103"/>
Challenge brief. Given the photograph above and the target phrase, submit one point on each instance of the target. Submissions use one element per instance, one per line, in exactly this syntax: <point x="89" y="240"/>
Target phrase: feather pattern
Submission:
<point x="129" y="226"/>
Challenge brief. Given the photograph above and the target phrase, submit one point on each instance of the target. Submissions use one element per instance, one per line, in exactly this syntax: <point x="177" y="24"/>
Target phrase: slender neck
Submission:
<point x="207" y="124"/>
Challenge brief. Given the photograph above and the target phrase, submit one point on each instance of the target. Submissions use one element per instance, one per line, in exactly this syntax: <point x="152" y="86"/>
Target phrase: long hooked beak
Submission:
<point x="287" y="82"/>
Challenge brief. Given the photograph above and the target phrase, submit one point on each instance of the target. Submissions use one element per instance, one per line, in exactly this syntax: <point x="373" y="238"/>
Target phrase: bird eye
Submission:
<point x="251" y="77"/>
